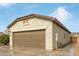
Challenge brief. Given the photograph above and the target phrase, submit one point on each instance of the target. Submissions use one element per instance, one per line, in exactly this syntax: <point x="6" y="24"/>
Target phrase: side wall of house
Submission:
<point x="60" y="36"/>
<point x="34" y="24"/>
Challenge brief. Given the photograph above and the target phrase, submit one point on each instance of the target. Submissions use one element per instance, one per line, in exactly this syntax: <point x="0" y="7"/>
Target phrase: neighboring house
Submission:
<point x="75" y="37"/>
<point x="38" y="31"/>
<point x="1" y="33"/>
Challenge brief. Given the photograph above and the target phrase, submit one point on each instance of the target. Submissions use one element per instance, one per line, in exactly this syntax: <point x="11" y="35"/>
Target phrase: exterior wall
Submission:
<point x="60" y="36"/>
<point x="34" y="24"/>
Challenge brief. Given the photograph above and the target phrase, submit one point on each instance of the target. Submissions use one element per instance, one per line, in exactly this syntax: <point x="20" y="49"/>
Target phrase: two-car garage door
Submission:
<point x="31" y="39"/>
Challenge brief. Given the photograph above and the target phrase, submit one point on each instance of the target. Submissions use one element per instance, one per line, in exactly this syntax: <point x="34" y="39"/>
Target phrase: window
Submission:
<point x="25" y="21"/>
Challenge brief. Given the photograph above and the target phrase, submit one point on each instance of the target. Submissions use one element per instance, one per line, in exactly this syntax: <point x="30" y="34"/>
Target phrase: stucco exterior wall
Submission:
<point x="60" y="36"/>
<point x="34" y="24"/>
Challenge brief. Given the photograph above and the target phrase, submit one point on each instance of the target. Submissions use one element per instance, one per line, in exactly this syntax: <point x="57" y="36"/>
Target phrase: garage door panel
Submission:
<point x="32" y="39"/>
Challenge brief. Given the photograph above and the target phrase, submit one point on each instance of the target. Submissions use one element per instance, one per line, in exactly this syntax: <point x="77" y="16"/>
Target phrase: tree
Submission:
<point x="4" y="39"/>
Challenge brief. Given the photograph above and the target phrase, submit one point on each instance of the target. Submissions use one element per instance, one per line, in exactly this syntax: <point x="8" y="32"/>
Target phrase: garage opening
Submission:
<point x="29" y="39"/>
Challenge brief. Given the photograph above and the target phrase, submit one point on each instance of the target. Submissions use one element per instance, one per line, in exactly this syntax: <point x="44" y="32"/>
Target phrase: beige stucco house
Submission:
<point x="38" y="31"/>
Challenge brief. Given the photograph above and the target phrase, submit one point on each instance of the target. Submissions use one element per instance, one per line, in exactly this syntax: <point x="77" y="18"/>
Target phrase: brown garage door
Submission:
<point x="29" y="39"/>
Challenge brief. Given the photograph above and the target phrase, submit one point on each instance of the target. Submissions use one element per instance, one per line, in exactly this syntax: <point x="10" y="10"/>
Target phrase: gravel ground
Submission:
<point x="66" y="51"/>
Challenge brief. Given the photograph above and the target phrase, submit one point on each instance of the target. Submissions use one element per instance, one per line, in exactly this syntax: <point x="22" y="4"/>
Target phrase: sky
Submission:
<point x="67" y="14"/>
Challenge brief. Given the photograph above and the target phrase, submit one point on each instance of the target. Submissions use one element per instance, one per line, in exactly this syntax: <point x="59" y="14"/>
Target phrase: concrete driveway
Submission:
<point x="66" y="51"/>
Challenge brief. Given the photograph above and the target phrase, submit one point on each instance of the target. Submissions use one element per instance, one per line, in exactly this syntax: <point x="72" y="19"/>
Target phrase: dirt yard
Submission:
<point x="68" y="50"/>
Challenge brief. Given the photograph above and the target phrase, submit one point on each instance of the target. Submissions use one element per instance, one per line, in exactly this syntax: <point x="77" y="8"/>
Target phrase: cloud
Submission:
<point x="61" y="14"/>
<point x="6" y="4"/>
<point x="31" y="7"/>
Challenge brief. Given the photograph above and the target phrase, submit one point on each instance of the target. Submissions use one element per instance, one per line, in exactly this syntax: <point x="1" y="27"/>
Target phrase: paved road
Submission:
<point x="66" y="51"/>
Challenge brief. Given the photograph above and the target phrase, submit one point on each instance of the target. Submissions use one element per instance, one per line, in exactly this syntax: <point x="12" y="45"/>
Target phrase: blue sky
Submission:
<point x="68" y="14"/>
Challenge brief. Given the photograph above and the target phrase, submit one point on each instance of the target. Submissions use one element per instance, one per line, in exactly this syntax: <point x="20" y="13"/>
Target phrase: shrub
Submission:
<point x="4" y="39"/>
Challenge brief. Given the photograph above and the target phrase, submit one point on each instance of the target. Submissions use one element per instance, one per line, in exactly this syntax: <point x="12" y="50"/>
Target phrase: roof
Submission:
<point x="39" y="16"/>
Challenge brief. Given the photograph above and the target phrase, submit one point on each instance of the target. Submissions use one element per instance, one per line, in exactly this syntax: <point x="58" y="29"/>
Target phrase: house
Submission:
<point x="75" y="37"/>
<point x="1" y="33"/>
<point x="38" y="31"/>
